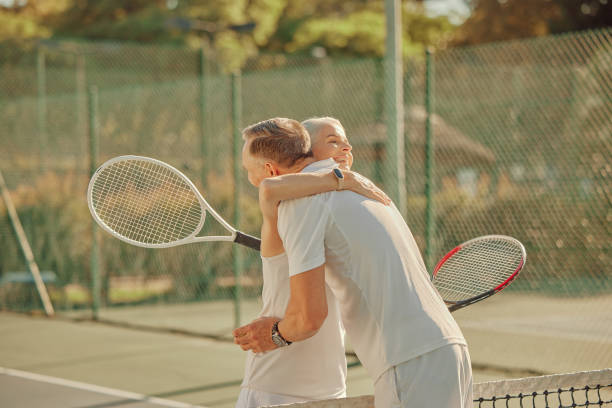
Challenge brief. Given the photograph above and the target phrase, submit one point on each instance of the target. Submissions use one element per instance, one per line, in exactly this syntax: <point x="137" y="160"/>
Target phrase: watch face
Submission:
<point x="278" y="341"/>
<point x="338" y="173"/>
<point x="277" y="338"/>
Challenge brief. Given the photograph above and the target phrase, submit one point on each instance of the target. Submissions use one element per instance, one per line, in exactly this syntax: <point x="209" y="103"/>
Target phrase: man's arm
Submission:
<point x="302" y="223"/>
<point x="304" y="316"/>
<point x="307" y="308"/>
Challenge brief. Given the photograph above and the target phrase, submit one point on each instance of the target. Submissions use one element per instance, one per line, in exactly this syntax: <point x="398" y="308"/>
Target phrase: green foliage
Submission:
<point x="571" y="254"/>
<point x="363" y="32"/>
<point x="53" y="221"/>
<point x="29" y="20"/>
<point x="544" y="122"/>
<point x="353" y="27"/>
<point x="13" y="26"/>
<point x="494" y="20"/>
<point x="266" y="13"/>
<point x="58" y="225"/>
<point x="134" y="21"/>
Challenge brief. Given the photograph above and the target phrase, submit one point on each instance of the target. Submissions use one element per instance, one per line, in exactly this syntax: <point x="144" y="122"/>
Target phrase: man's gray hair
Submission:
<point x="313" y="125"/>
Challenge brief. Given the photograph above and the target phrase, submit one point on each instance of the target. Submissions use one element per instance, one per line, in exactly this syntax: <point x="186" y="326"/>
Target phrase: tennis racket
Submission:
<point x="477" y="269"/>
<point x="148" y="203"/>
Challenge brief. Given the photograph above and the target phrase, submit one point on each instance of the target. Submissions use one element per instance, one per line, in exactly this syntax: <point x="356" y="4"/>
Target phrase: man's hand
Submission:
<point x="257" y="335"/>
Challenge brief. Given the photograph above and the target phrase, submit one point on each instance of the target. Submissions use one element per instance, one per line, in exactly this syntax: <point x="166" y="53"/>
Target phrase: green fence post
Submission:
<point x="237" y="158"/>
<point x="204" y="142"/>
<point x="41" y="75"/>
<point x="379" y="93"/>
<point x="408" y="72"/>
<point x="380" y="106"/>
<point x="93" y="160"/>
<point x="203" y="122"/>
<point x="429" y="164"/>
<point x="81" y="101"/>
<point x="394" y="103"/>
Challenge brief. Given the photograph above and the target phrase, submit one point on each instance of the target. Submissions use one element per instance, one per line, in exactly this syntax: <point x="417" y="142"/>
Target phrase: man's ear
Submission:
<point x="271" y="169"/>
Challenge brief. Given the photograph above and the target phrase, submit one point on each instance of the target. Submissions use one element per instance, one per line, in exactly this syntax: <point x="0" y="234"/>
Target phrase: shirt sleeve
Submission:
<point x="301" y="225"/>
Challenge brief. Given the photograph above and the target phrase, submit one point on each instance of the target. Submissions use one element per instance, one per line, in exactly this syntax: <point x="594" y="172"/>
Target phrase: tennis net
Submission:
<point x="580" y="389"/>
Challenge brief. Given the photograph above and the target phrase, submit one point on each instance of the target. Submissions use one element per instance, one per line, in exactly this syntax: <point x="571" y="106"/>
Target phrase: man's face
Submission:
<point x="331" y="142"/>
<point x="255" y="166"/>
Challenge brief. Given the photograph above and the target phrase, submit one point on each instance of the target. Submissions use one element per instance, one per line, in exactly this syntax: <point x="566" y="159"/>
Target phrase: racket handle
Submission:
<point x="247" y="240"/>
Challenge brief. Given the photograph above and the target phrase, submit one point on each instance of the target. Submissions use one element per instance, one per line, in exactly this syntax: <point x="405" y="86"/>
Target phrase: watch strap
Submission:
<point x="276" y="333"/>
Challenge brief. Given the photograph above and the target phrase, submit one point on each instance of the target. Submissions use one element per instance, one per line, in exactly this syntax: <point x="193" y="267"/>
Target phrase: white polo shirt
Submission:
<point x="312" y="369"/>
<point x="391" y="311"/>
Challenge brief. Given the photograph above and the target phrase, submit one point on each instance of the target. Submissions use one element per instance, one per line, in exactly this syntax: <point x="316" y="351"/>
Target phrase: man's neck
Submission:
<point x="297" y="167"/>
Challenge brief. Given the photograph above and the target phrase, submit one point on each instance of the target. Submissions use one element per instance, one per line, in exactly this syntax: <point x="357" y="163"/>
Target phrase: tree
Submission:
<point x="151" y="21"/>
<point x="136" y="20"/>
<point x="500" y="20"/>
<point x="357" y="28"/>
<point x="582" y="15"/>
<point x="23" y="20"/>
<point x="347" y="27"/>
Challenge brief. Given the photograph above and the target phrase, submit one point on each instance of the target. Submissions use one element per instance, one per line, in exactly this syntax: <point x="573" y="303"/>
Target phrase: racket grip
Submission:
<point x="247" y="240"/>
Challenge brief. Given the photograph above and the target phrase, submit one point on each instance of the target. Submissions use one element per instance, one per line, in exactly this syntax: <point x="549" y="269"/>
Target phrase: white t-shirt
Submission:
<point x="391" y="311"/>
<point x="312" y="369"/>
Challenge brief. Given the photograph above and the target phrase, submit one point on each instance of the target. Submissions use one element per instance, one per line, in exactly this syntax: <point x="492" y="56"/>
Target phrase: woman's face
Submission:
<point x="331" y="142"/>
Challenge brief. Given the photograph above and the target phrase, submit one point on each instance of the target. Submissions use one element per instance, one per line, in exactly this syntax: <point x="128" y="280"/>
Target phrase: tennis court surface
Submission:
<point x="582" y="389"/>
<point x="66" y="363"/>
<point x="23" y="389"/>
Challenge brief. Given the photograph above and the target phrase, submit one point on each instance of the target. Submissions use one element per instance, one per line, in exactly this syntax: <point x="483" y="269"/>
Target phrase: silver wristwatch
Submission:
<point x="277" y="338"/>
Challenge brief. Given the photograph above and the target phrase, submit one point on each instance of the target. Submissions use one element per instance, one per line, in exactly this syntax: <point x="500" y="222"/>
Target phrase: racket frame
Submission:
<point x="235" y="234"/>
<point x="456" y="305"/>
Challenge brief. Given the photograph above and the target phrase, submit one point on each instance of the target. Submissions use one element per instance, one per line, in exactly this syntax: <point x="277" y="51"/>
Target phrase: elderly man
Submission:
<point x="399" y="326"/>
<point x="309" y="370"/>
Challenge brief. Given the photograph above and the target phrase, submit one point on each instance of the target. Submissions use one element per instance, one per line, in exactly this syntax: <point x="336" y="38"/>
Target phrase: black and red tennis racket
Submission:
<point x="477" y="269"/>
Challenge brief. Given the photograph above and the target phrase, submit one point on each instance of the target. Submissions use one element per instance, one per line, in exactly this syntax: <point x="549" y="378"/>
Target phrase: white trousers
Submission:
<point x="441" y="378"/>
<point x="249" y="398"/>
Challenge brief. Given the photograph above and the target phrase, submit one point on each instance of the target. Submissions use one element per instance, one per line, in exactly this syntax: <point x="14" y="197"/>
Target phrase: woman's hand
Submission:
<point x="361" y="185"/>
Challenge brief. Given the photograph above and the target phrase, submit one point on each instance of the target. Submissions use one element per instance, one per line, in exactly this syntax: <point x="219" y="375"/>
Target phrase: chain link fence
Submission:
<point x="521" y="135"/>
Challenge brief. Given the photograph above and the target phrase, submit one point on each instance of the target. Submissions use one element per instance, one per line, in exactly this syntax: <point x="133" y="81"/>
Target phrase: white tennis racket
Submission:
<point x="477" y="269"/>
<point x="148" y="203"/>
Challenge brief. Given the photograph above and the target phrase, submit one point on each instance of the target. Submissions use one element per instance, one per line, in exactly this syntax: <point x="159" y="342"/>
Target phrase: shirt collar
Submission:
<point x="319" y="166"/>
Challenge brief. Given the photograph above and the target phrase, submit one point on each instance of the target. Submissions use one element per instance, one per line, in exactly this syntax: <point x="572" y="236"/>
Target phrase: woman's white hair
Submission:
<point x="313" y="125"/>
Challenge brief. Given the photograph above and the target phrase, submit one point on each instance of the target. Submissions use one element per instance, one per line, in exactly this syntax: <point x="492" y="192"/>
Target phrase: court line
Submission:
<point x="536" y="327"/>
<point x="96" y="388"/>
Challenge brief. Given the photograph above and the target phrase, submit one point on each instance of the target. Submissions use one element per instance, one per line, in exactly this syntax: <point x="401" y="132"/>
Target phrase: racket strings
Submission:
<point x="146" y="202"/>
<point x="155" y="224"/>
<point x="174" y="225"/>
<point x="114" y="207"/>
<point x="172" y="230"/>
<point x="478" y="268"/>
<point x="475" y="265"/>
